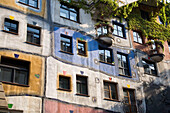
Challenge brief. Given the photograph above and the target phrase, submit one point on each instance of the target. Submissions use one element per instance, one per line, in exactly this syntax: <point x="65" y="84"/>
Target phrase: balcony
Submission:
<point x="156" y="50"/>
<point x="104" y="34"/>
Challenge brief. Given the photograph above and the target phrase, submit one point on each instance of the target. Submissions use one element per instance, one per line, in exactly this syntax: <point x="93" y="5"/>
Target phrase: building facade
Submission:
<point x="56" y="58"/>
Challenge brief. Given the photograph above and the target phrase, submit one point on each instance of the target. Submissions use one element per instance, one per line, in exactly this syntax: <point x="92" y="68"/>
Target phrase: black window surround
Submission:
<point x="30" y="3"/>
<point x="105" y="55"/>
<point x="137" y="37"/>
<point x="149" y="67"/>
<point x="14" y="71"/>
<point x="33" y="35"/>
<point x="123" y="64"/>
<point x="82" y="85"/>
<point x="110" y="90"/>
<point x="64" y="83"/>
<point x="119" y="30"/>
<point x="82" y="47"/>
<point x="11" y="26"/>
<point x="66" y="44"/>
<point x="70" y="13"/>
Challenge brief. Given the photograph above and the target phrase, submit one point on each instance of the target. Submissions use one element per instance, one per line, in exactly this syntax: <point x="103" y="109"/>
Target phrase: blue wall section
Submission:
<point x="93" y="53"/>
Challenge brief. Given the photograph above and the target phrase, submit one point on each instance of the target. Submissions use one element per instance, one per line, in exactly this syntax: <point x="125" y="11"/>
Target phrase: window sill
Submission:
<point x="151" y="74"/>
<point x="84" y="55"/>
<point x="111" y="99"/>
<point x="15" y="84"/>
<point x="66" y="52"/>
<point x="107" y="63"/>
<point x="138" y="43"/>
<point x="27" y="5"/>
<point x="10" y="32"/>
<point x="64" y="89"/>
<point x="70" y="20"/>
<point x="33" y="44"/>
<point x="119" y="36"/>
<point x="125" y="76"/>
<point x="82" y="95"/>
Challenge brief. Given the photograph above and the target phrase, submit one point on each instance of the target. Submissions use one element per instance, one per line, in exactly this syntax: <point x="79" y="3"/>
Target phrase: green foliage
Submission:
<point x="148" y="28"/>
<point x="106" y="9"/>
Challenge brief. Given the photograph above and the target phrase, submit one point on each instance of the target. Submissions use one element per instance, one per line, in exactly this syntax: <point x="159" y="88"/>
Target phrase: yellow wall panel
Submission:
<point x="35" y="85"/>
<point x="14" y="5"/>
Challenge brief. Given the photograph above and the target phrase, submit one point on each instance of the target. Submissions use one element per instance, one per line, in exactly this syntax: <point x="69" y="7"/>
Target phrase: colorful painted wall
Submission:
<point x="90" y="61"/>
<point x="36" y="75"/>
<point x="14" y="4"/>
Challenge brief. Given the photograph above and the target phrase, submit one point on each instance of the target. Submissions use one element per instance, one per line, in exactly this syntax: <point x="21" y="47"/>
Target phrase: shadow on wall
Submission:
<point x="157" y="95"/>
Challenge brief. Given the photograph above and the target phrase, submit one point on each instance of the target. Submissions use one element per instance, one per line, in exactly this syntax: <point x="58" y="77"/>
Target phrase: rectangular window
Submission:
<point x="11" y="26"/>
<point x="118" y="30"/>
<point x="64" y="83"/>
<point x="82" y="48"/>
<point x="137" y="37"/>
<point x="14" y="71"/>
<point x="81" y="82"/>
<point x="129" y="101"/>
<point x="31" y="3"/>
<point x="69" y="13"/>
<point x="33" y="34"/>
<point x="103" y="30"/>
<point x="66" y="43"/>
<point x="149" y="67"/>
<point x="105" y="55"/>
<point x="123" y="64"/>
<point x="110" y="91"/>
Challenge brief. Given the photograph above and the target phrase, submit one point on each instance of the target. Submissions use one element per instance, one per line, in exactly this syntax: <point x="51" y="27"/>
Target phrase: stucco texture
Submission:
<point x="35" y="84"/>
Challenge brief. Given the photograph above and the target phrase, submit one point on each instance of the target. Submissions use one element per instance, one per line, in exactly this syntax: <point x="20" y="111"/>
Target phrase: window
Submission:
<point x="66" y="43"/>
<point x="137" y="37"/>
<point x="64" y="83"/>
<point x="82" y="48"/>
<point x="69" y="13"/>
<point x="33" y="34"/>
<point x="110" y="91"/>
<point x="144" y="15"/>
<point x="118" y="30"/>
<point x="149" y="67"/>
<point x="123" y="64"/>
<point x="81" y="82"/>
<point x="14" y="71"/>
<point x="31" y="3"/>
<point x="103" y="30"/>
<point x="105" y="55"/>
<point x="129" y="101"/>
<point x="11" y="26"/>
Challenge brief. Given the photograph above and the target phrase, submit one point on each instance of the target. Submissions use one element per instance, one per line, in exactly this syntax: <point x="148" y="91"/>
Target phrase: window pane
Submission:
<point x="33" y="3"/>
<point x="101" y="55"/>
<point x="106" y="94"/>
<point x="81" y="85"/>
<point x="64" y="13"/>
<point x="104" y="30"/>
<point x="73" y="16"/>
<point x="64" y="82"/>
<point x="5" y="74"/>
<point x="11" y="25"/>
<point x="66" y="44"/>
<point x="33" y="35"/>
<point x="99" y="31"/>
<point x="81" y="48"/>
<point x="23" y="1"/>
<point x="21" y="77"/>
